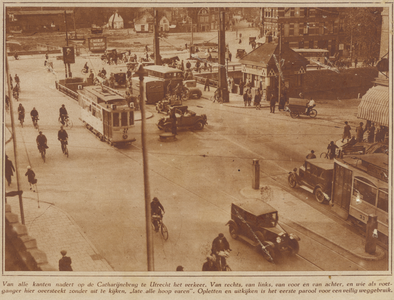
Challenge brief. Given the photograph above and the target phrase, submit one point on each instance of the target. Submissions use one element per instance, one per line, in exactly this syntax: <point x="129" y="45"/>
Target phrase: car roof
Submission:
<point x="256" y="207"/>
<point x="322" y="163"/>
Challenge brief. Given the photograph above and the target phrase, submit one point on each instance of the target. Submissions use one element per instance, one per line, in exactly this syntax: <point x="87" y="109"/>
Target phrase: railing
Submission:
<point x="66" y="91"/>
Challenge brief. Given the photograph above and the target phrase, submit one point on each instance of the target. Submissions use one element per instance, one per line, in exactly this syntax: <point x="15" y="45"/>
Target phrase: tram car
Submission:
<point x="107" y="114"/>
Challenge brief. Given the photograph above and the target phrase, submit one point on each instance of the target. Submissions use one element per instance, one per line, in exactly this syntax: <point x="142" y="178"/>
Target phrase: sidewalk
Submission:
<point x="299" y="215"/>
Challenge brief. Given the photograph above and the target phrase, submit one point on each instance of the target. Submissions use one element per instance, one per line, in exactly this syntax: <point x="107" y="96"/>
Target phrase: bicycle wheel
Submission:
<point x="66" y="150"/>
<point x="313" y="113"/>
<point x="164" y="231"/>
<point x="324" y="155"/>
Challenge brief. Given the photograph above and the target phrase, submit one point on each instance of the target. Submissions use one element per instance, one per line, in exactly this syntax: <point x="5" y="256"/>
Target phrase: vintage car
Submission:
<point x="256" y="223"/>
<point x="120" y="75"/>
<point x="193" y="92"/>
<point x="186" y="119"/>
<point x="314" y="176"/>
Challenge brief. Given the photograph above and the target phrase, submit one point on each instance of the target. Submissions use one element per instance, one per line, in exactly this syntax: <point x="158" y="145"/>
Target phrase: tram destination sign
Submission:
<point x="98" y="44"/>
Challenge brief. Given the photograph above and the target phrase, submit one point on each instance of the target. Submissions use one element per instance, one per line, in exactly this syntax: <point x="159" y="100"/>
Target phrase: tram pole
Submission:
<point x="149" y="237"/>
<point x="13" y="137"/>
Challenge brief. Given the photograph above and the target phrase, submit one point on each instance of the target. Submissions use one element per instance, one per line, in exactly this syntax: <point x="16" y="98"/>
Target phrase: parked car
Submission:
<point x="256" y="223"/>
<point x="186" y="119"/>
<point x="314" y="176"/>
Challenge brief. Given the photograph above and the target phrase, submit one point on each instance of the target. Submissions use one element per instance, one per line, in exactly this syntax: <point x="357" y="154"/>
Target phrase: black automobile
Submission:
<point x="314" y="176"/>
<point x="256" y="223"/>
<point x="185" y="119"/>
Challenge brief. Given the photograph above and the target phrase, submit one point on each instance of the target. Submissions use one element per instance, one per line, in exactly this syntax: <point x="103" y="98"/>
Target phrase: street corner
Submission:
<point x="360" y="252"/>
<point x="138" y="117"/>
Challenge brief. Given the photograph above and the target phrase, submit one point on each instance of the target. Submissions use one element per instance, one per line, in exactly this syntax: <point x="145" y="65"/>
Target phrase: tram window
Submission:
<point x="115" y="119"/>
<point x="93" y="111"/>
<point x="124" y="119"/>
<point x="367" y="192"/>
<point x="383" y="200"/>
<point x="131" y="120"/>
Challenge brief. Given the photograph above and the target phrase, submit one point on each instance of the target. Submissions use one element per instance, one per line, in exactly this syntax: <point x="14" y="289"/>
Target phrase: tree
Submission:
<point x="361" y="30"/>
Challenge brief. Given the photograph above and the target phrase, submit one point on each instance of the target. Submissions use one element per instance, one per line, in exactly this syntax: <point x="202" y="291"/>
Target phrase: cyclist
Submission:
<point x="41" y="141"/>
<point x="34" y="115"/>
<point x="156" y="209"/>
<point x="220" y="244"/>
<point x="17" y="81"/>
<point x="63" y="113"/>
<point x="15" y="92"/>
<point x="21" y="113"/>
<point x="62" y="136"/>
<point x="86" y="67"/>
<point x="331" y="149"/>
<point x="309" y="105"/>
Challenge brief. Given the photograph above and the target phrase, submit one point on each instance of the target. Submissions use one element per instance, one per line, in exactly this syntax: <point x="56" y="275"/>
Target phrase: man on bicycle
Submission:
<point x="63" y="113"/>
<point x="62" y="136"/>
<point x="156" y="209"/>
<point x="219" y="244"/>
<point x="310" y="104"/>
<point x="34" y="115"/>
<point x="331" y="149"/>
<point x="21" y="113"/>
<point x="86" y="67"/>
<point x="41" y="141"/>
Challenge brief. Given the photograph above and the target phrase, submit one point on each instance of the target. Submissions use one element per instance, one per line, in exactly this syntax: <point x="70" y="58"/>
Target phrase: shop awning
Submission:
<point x="374" y="106"/>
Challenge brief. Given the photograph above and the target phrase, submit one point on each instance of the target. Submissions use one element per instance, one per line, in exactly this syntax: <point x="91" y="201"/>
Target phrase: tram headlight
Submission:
<point x="278" y="240"/>
<point x="125" y="136"/>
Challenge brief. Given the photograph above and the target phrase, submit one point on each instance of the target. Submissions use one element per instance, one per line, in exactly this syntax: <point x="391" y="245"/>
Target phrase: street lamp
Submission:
<point x="149" y="237"/>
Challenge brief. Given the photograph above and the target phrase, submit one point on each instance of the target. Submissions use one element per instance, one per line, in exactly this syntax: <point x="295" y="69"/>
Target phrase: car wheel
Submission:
<point x="199" y="125"/>
<point x="198" y="94"/>
<point x="292" y="181"/>
<point x="319" y="195"/>
<point x="233" y="228"/>
<point x="269" y="252"/>
<point x="294" y="247"/>
<point x="293" y="115"/>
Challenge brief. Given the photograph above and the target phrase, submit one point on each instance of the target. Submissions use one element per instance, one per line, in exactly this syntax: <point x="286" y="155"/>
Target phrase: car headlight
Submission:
<point x="278" y="240"/>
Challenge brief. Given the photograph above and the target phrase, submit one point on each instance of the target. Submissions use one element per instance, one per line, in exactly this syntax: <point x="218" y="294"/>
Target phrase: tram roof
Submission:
<point x="104" y="94"/>
<point x="162" y="69"/>
<point x="380" y="160"/>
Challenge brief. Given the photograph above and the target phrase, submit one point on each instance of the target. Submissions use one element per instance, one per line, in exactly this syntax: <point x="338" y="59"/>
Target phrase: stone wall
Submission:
<point x="24" y="252"/>
<point x="348" y="83"/>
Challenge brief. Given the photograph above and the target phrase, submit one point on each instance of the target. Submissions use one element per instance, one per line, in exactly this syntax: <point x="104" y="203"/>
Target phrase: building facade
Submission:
<point x="309" y="28"/>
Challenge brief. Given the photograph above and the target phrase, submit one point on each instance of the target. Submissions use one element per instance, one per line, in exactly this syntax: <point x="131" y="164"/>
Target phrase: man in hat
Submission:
<point x="219" y="244"/>
<point x="311" y="155"/>
<point x="346" y="132"/>
<point x="360" y="133"/>
<point x="179" y="268"/>
<point x="9" y="170"/>
<point x="63" y="113"/>
<point x="31" y="178"/>
<point x="65" y="262"/>
<point x="209" y="265"/>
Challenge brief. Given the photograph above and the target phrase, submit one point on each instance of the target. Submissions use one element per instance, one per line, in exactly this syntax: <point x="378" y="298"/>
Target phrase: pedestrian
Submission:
<point x="11" y="85"/>
<point x="371" y="133"/>
<point x="188" y="65"/>
<point x="65" y="262"/>
<point x="360" y="133"/>
<point x="346" y="132"/>
<point x="209" y="265"/>
<point x="272" y="103"/>
<point x="241" y="87"/>
<point x="179" y="268"/>
<point x="245" y="97"/>
<point x="229" y="56"/>
<point x="311" y="155"/>
<point x="31" y="178"/>
<point x="206" y="86"/>
<point x="257" y="100"/>
<point x="355" y="62"/>
<point x="173" y="122"/>
<point x="282" y="102"/>
<point x="9" y="170"/>
<point x="249" y="92"/>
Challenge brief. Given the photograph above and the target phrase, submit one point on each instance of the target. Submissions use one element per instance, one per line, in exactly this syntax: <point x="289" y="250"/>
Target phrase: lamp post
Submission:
<point x="19" y="193"/>
<point x="149" y="237"/>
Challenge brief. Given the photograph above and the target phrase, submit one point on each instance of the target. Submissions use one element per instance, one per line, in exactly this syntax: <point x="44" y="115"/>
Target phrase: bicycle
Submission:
<point x="222" y="255"/>
<point x="42" y="151"/>
<point x="66" y="120"/>
<point x="160" y="225"/>
<point x="35" y="122"/>
<point x="327" y="154"/>
<point x="64" y="147"/>
<point x="21" y="119"/>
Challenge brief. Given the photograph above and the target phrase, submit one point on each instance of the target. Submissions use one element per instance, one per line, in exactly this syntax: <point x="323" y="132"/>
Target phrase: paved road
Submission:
<point x="196" y="178"/>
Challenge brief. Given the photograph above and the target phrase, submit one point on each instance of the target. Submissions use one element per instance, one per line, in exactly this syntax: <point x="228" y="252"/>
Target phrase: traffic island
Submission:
<point x="167" y="137"/>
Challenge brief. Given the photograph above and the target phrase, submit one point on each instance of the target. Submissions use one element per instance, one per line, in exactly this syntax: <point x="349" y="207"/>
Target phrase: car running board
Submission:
<point x="248" y="240"/>
<point x="306" y="188"/>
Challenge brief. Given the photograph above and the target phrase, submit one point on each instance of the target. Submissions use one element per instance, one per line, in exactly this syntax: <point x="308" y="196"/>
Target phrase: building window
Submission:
<point x="296" y="29"/>
<point x="291" y="30"/>
<point x="306" y="28"/>
<point x="297" y="12"/>
<point x="286" y="31"/>
<point x="287" y="11"/>
<point x="291" y="12"/>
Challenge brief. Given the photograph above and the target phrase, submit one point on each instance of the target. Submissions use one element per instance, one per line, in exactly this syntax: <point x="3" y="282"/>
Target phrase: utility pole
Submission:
<point x="156" y="44"/>
<point x="280" y="52"/>
<point x="223" y="86"/>
<point x="149" y="237"/>
<point x="13" y="137"/>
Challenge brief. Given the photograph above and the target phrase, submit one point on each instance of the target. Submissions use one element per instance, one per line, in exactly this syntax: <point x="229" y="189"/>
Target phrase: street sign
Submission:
<point x="97" y="44"/>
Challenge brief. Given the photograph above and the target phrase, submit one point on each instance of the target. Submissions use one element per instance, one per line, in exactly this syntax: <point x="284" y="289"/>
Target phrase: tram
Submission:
<point x="107" y="114"/>
<point x="360" y="189"/>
